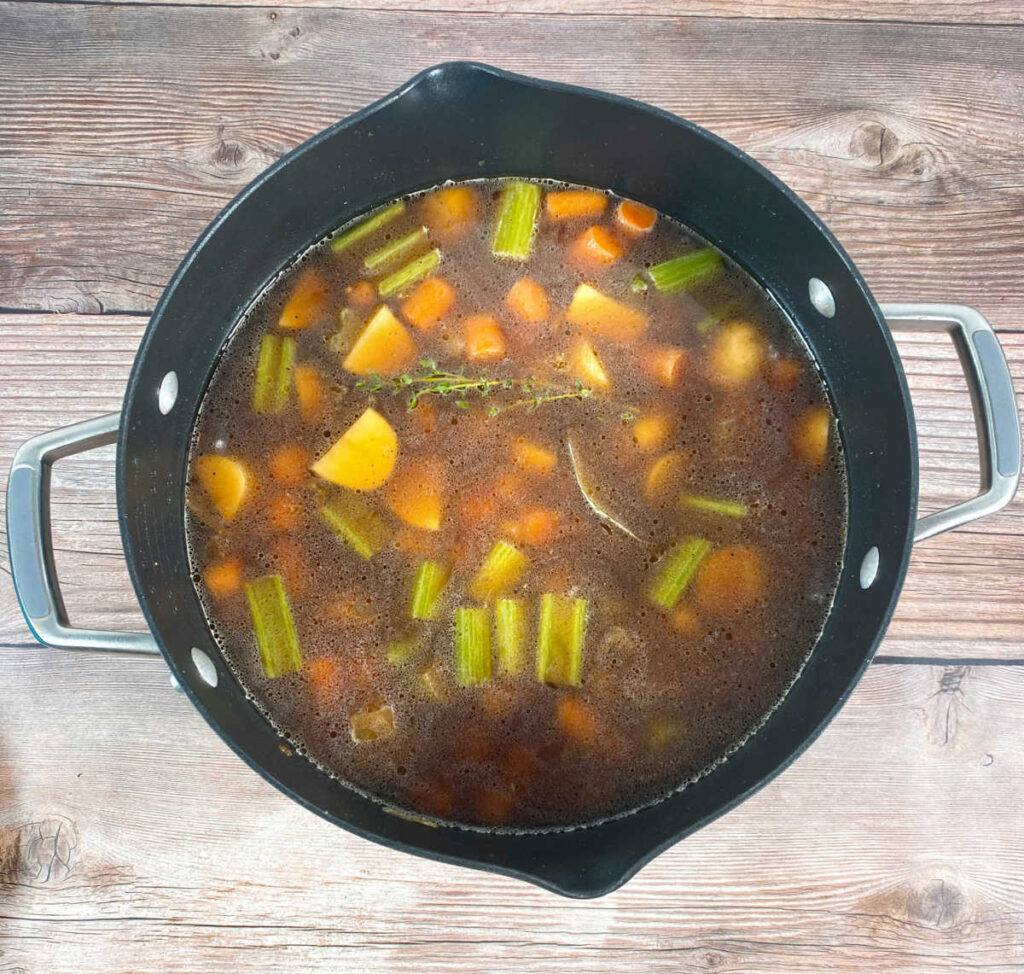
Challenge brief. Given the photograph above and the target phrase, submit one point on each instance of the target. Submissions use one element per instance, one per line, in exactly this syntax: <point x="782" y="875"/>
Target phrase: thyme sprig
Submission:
<point x="431" y="381"/>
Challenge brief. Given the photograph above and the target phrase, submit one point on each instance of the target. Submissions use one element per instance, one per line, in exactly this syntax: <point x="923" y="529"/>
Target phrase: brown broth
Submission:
<point x="667" y="694"/>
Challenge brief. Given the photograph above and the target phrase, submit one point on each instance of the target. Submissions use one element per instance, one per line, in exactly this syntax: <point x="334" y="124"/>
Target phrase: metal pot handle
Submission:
<point x="995" y="409"/>
<point x="31" y="547"/>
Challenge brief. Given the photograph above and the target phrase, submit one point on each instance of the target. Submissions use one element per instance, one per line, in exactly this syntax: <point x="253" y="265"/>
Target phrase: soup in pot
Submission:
<point x="515" y="504"/>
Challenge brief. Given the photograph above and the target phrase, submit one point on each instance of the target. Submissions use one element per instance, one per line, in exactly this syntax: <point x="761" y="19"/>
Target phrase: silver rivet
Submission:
<point x="869" y="568"/>
<point x="204" y="666"/>
<point x="821" y="297"/>
<point x="168" y="394"/>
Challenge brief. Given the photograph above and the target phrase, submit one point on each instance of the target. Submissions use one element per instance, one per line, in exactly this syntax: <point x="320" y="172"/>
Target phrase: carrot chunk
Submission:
<point x="425" y="416"/>
<point x="783" y="373"/>
<point x="450" y="213"/>
<point x="665" y="475"/>
<point x="651" y="431"/>
<point x="361" y="295"/>
<point x="311" y="393"/>
<point x="484" y="340"/>
<point x="576" y="720"/>
<point x="325" y="681"/>
<point x="730" y="580"/>
<point x="532" y="457"/>
<point x="571" y="204"/>
<point x="685" y="621"/>
<point x="224" y="578"/>
<point x="665" y="364"/>
<point x="289" y="465"/>
<point x="415" y="493"/>
<point x="635" y="217"/>
<point x="289" y="560"/>
<point x="284" y="512"/>
<point x="307" y="302"/>
<point x="595" y="249"/>
<point x="478" y="507"/>
<point x="413" y="543"/>
<point x="429" y="303"/>
<point x="527" y="302"/>
<point x="537" y="527"/>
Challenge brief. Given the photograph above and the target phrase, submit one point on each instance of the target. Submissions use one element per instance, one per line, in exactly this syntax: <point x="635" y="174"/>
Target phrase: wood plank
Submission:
<point x="922" y="11"/>
<point x="963" y="596"/>
<point x="906" y="138"/>
<point x="893" y="844"/>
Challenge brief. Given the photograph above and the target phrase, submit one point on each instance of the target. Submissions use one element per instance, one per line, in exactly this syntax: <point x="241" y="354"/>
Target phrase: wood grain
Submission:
<point x="140" y="843"/>
<point x="131" y="839"/>
<point x="963" y="596"/>
<point x="905" y="137"/>
<point x="922" y="11"/>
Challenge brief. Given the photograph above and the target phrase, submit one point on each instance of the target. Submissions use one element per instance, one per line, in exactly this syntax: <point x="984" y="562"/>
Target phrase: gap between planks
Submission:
<point x="904" y="138"/>
<point x="140" y="840"/>
<point x="935" y="13"/>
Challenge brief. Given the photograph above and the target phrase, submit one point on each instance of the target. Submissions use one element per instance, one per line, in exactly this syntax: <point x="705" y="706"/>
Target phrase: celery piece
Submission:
<point x="370" y="225"/>
<point x="510" y="625"/>
<point x="355" y="522"/>
<point x="716" y="317"/>
<point x="349" y="327"/>
<point x="427" y="584"/>
<point x="412" y="272"/>
<point x="372" y="725"/>
<point x="403" y="649"/>
<point x="432" y="681"/>
<point x="683" y="273"/>
<point x="395" y="249"/>
<point x="714" y="505"/>
<point x="266" y="373"/>
<point x="501" y="570"/>
<point x="272" y="622"/>
<point x="675" y="571"/>
<point x="273" y="383"/>
<point x="472" y="646"/>
<point x="638" y="285"/>
<point x="663" y="733"/>
<point x="517" y="221"/>
<point x="283" y="381"/>
<point x="560" y="633"/>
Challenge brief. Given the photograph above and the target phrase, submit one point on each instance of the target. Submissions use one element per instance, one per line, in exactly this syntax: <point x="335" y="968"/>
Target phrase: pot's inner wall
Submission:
<point x="462" y="121"/>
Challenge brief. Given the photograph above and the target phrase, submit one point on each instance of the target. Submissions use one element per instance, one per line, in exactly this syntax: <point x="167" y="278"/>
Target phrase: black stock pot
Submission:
<point x="465" y="120"/>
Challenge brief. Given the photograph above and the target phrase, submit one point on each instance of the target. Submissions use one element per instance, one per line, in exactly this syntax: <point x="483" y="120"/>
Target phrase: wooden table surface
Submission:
<point x="132" y="840"/>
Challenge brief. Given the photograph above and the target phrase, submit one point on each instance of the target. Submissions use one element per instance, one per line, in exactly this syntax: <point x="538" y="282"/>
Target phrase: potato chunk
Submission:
<point x="226" y="482"/>
<point x="586" y="366"/>
<point x="602" y="315"/>
<point x="384" y="346"/>
<point x="735" y="356"/>
<point x="809" y="438"/>
<point x="364" y="457"/>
